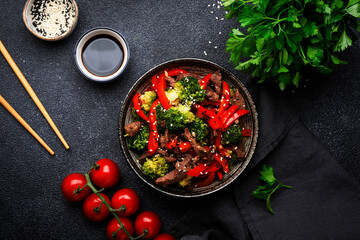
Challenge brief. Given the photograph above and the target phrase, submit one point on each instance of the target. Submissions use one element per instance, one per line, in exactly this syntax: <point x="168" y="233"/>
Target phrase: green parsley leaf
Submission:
<point x="343" y="42"/>
<point x="352" y="2"/>
<point x="264" y="192"/>
<point x="354" y="10"/>
<point x="336" y="60"/>
<point x="310" y="31"/>
<point x="315" y="54"/>
<point x="267" y="174"/>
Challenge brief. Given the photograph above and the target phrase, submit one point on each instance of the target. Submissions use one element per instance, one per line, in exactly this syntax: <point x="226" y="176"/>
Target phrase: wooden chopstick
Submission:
<point x="22" y="121"/>
<point x="31" y="92"/>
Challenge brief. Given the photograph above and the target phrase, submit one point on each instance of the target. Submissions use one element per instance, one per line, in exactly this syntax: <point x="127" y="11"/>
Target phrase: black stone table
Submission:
<point x="86" y="113"/>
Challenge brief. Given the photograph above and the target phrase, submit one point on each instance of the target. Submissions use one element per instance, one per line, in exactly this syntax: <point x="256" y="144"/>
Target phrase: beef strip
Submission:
<point x="211" y="94"/>
<point x="186" y="164"/>
<point x="213" y="136"/>
<point x="182" y="75"/>
<point x="197" y="147"/>
<point x="175" y="150"/>
<point x="240" y="153"/>
<point x="169" y="136"/>
<point x="163" y="123"/>
<point x="162" y="141"/>
<point x="237" y="99"/>
<point x="171" y="81"/>
<point x="216" y="81"/>
<point x="172" y="177"/>
<point x="179" y="173"/>
<point x="170" y="159"/>
<point x="142" y="158"/>
<point x="239" y="150"/>
<point x="132" y="129"/>
<point x="162" y="152"/>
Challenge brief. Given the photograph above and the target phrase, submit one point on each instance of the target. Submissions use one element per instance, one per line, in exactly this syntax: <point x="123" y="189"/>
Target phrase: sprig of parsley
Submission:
<point x="284" y="36"/>
<point x="271" y="185"/>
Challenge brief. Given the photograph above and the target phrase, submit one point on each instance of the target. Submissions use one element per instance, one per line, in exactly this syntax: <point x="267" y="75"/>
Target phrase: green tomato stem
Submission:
<point x="91" y="186"/>
<point x="145" y="232"/>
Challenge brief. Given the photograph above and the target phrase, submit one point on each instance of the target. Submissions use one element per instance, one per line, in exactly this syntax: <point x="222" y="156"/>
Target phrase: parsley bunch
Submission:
<point x="271" y="185"/>
<point x="283" y="36"/>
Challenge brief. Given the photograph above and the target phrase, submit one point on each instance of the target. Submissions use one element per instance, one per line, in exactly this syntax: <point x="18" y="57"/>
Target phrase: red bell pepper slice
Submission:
<point x="224" y="163"/>
<point x="212" y="168"/>
<point x="235" y="117"/>
<point x="196" y="171"/>
<point x="202" y="168"/>
<point x="154" y="135"/>
<point x="157" y="78"/>
<point x="219" y="174"/>
<point x="175" y="72"/>
<point x="137" y="106"/>
<point x="172" y="143"/>
<point x="220" y="147"/>
<point x="204" y="82"/>
<point x="161" y="86"/>
<point x="206" y="181"/>
<point x="213" y="120"/>
<point x="246" y="132"/>
<point x="184" y="147"/>
<point x="154" y="82"/>
<point x="227" y="114"/>
<point x="161" y="93"/>
<point x="225" y="99"/>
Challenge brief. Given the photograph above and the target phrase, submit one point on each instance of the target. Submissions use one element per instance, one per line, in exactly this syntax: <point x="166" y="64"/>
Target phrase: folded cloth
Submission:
<point x="324" y="202"/>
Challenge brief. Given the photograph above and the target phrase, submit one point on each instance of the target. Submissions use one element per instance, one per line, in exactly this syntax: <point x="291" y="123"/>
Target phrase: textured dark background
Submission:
<point x="86" y="113"/>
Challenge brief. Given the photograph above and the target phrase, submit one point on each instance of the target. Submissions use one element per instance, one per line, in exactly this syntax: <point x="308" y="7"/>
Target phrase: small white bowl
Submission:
<point x="88" y="36"/>
<point x="29" y="22"/>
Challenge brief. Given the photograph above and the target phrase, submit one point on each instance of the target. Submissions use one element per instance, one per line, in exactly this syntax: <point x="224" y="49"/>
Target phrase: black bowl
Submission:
<point x="201" y="67"/>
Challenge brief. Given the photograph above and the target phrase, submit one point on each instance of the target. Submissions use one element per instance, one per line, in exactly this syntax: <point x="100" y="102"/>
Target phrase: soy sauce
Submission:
<point x="102" y="55"/>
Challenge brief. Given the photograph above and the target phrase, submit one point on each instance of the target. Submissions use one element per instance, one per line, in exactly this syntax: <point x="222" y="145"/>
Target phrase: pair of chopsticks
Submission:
<point x="34" y="98"/>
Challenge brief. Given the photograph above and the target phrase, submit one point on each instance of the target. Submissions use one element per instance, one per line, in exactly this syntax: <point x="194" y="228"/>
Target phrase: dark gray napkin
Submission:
<point x="323" y="204"/>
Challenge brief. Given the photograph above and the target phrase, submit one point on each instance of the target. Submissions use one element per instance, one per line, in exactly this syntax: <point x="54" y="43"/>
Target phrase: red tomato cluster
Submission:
<point x="124" y="203"/>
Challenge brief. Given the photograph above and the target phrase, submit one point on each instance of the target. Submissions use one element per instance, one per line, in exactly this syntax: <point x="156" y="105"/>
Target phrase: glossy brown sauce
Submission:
<point x="102" y="55"/>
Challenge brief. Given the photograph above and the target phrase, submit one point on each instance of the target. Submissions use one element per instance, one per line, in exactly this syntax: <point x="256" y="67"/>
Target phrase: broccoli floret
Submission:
<point x="233" y="161"/>
<point x="155" y="166"/>
<point x="186" y="181"/>
<point x="199" y="129"/>
<point x="190" y="90"/>
<point x="139" y="142"/>
<point x="160" y="112"/>
<point x="136" y="116"/>
<point x="173" y="95"/>
<point x="147" y="98"/>
<point x="232" y="135"/>
<point x="177" y="118"/>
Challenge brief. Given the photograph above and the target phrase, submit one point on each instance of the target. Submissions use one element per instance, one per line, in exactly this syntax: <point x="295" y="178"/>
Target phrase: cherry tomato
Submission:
<point x="150" y="221"/>
<point x="106" y="175"/>
<point x="114" y="225"/>
<point x="71" y="186"/>
<point x="91" y="208"/>
<point x="128" y="198"/>
<point x="164" y="236"/>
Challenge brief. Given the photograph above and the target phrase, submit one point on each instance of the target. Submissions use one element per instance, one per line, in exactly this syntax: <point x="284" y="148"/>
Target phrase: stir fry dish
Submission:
<point x="188" y="129"/>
